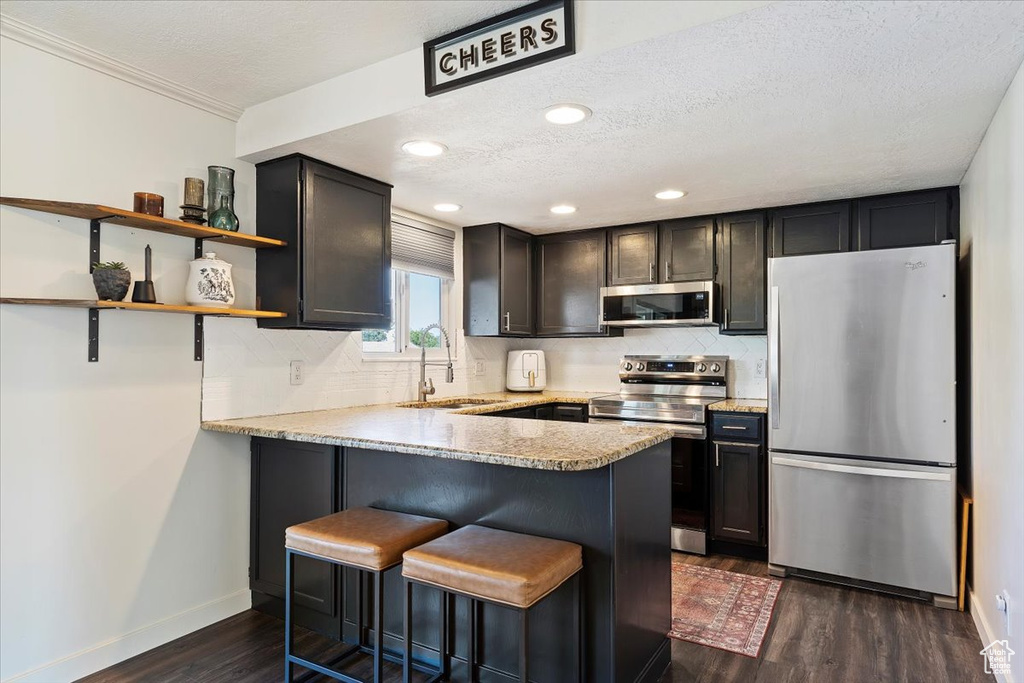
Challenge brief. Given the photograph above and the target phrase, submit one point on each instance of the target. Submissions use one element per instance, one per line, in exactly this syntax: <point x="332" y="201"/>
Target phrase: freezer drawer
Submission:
<point x="888" y="523"/>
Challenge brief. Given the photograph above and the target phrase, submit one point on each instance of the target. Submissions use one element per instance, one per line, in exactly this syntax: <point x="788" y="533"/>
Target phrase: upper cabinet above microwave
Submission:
<point x="335" y="273"/>
<point x="680" y="250"/>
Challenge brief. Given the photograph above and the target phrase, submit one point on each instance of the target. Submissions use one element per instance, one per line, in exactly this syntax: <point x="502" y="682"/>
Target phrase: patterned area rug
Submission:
<point x="721" y="609"/>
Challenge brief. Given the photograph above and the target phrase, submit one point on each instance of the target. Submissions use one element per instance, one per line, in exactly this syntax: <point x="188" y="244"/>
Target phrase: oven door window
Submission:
<point x="683" y="306"/>
<point x="689" y="484"/>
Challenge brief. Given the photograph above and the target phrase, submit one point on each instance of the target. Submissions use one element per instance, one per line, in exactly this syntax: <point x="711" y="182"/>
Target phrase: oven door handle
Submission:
<point x="679" y="431"/>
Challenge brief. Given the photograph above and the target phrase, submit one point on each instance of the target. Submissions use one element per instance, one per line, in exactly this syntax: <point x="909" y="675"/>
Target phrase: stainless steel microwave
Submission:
<point x="669" y="305"/>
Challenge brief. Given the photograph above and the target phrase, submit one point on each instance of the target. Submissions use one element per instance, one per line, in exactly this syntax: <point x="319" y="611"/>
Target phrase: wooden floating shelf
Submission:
<point x="141" y="221"/>
<point x="153" y="308"/>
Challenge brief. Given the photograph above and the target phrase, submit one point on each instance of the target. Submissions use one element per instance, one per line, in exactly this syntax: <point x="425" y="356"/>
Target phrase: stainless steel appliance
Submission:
<point x="668" y="305"/>
<point x="861" y="403"/>
<point x="674" y="392"/>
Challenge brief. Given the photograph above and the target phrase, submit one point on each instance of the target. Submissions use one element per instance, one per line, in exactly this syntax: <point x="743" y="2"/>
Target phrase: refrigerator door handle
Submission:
<point x="773" y="352"/>
<point x="867" y="471"/>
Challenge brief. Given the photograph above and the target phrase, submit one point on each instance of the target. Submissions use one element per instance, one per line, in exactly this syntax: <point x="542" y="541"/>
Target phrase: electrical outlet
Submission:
<point x="478" y="368"/>
<point x="760" y="367"/>
<point x="297" y="372"/>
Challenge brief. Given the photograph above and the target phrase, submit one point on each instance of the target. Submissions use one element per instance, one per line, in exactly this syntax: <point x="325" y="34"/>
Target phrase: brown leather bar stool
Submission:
<point x="498" y="567"/>
<point x="365" y="539"/>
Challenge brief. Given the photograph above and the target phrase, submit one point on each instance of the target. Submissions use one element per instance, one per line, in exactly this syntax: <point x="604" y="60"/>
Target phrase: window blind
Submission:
<point x="422" y="248"/>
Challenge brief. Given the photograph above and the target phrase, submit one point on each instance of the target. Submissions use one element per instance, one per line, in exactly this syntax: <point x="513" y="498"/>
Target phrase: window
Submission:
<point x="423" y="270"/>
<point x="418" y="300"/>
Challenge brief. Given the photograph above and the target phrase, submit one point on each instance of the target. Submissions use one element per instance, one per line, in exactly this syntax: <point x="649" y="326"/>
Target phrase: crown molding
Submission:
<point x="79" y="54"/>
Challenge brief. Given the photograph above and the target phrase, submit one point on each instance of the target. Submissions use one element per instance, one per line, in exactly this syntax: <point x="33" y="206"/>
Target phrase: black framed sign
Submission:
<point x="527" y="36"/>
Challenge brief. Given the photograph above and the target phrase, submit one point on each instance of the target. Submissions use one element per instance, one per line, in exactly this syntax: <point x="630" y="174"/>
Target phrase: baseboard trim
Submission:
<point x="118" y="649"/>
<point x="981" y="622"/>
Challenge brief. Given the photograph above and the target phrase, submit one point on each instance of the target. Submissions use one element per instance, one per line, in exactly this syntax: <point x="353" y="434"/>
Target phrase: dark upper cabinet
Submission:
<point x="570" y="274"/>
<point x="633" y="254"/>
<point x="335" y="272"/>
<point x="736" y="492"/>
<point x="742" y="262"/>
<point x="498" y="287"/>
<point x="293" y="483"/>
<point x="811" y="229"/>
<point x="905" y="220"/>
<point x="687" y="250"/>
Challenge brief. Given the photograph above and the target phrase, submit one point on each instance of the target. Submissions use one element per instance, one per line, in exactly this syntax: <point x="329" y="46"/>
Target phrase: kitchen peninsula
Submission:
<point x="603" y="486"/>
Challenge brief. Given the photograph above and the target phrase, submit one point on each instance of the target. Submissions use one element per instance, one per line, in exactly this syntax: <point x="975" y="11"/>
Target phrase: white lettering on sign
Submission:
<point x="499" y="47"/>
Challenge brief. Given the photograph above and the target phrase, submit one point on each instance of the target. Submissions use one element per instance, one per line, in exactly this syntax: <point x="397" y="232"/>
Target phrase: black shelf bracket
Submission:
<point x="199" y="251"/>
<point x="94" y="243"/>
<point x="199" y="334"/>
<point x="94" y="335"/>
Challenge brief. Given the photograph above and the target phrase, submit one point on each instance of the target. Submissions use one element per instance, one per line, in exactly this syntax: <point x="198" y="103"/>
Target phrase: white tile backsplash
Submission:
<point x="246" y="370"/>
<point x="593" y="364"/>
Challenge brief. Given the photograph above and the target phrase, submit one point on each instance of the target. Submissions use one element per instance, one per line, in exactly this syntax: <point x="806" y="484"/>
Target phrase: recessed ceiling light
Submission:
<point x="563" y="114"/>
<point x="424" y="148"/>
<point x="446" y="207"/>
<point x="670" y="194"/>
<point x="563" y="208"/>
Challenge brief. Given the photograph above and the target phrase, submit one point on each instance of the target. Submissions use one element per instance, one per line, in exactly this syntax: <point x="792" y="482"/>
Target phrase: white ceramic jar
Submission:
<point x="209" y="282"/>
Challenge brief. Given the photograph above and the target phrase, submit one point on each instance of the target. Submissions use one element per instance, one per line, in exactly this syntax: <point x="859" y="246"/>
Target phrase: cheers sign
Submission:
<point x="522" y="38"/>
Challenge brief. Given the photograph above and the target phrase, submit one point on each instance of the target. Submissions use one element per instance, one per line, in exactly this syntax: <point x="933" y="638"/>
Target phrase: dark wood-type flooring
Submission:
<point x="819" y="633"/>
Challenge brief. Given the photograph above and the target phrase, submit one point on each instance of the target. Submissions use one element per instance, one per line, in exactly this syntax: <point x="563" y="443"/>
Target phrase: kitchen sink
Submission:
<point x="443" y="404"/>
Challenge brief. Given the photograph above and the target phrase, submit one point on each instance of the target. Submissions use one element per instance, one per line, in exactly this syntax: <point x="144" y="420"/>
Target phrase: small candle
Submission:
<point x="149" y="263"/>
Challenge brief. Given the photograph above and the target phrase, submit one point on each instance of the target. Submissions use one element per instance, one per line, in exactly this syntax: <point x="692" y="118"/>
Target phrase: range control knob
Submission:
<point x="627" y="366"/>
<point x="640" y="367"/>
<point x="715" y="367"/>
<point x="701" y="367"/>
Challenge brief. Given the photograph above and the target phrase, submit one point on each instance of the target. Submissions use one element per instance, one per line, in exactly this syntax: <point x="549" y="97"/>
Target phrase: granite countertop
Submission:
<point x="741" y="405"/>
<point x="463" y="434"/>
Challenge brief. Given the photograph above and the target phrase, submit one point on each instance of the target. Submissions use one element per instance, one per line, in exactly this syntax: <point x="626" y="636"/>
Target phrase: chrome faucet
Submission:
<point x="426" y="386"/>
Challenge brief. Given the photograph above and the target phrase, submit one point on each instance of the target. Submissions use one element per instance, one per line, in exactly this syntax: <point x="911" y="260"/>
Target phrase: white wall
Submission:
<point x="247" y="368"/>
<point x="992" y="237"/>
<point x="593" y="364"/>
<point x="122" y="525"/>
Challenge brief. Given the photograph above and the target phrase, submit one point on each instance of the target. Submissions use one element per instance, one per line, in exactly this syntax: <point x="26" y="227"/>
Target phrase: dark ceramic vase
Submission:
<point x="111" y="284"/>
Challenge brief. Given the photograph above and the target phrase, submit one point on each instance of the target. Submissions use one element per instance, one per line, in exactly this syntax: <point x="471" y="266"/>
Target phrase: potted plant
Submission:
<point x="111" y="280"/>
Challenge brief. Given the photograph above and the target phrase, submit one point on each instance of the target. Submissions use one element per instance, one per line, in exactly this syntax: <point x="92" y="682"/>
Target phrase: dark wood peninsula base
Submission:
<point x="619" y="513"/>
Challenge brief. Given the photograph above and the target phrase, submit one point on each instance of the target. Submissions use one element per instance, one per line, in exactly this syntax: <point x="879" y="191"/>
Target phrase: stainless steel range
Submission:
<point x="673" y="392"/>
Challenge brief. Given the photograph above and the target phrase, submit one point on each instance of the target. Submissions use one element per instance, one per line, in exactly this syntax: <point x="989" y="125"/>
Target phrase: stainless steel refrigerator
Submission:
<point x="861" y="415"/>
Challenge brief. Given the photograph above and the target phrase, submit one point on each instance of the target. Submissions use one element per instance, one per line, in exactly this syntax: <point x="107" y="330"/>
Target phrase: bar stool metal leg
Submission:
<point x="524" y="643"/>
<point x="473" y="633"/>
<point x="378" y="627"/>
<point x="289" y="571"/>
<point x="577" y="618"/>
<point x="407" y="634"/>
<point x="447" y="638"/>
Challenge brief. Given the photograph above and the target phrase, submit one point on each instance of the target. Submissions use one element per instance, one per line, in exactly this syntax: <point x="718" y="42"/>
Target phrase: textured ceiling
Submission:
<point x="242" y="51"/>
<point x="789" y="103"/>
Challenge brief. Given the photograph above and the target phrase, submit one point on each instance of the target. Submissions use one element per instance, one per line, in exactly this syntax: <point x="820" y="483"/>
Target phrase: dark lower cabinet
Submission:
<point x="562" y="412"/>
<point x="736" y="492"/>
<point x="811" y="229"/>
<point x="335" y="272"/>
<point x="905" y="220"/>
<point x="738" y="482"/>
<point x="570" y="271"/>
<point x="687" y="250"/>
<point x="498" y="281"/>
<point x="742" y="275"/>
<point x="633" y="254"/>
<point x="293" y="483"/>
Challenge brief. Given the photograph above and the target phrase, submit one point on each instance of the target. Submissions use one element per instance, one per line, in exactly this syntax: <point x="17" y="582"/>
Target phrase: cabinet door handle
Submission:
<point x="717" y="447"/>
<point x="740" y="429"/>
<point x="508" y="321"/>
<point x="726" y="324"/>
<point x="668" y="268"/>
<point x="651" y="276"/>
